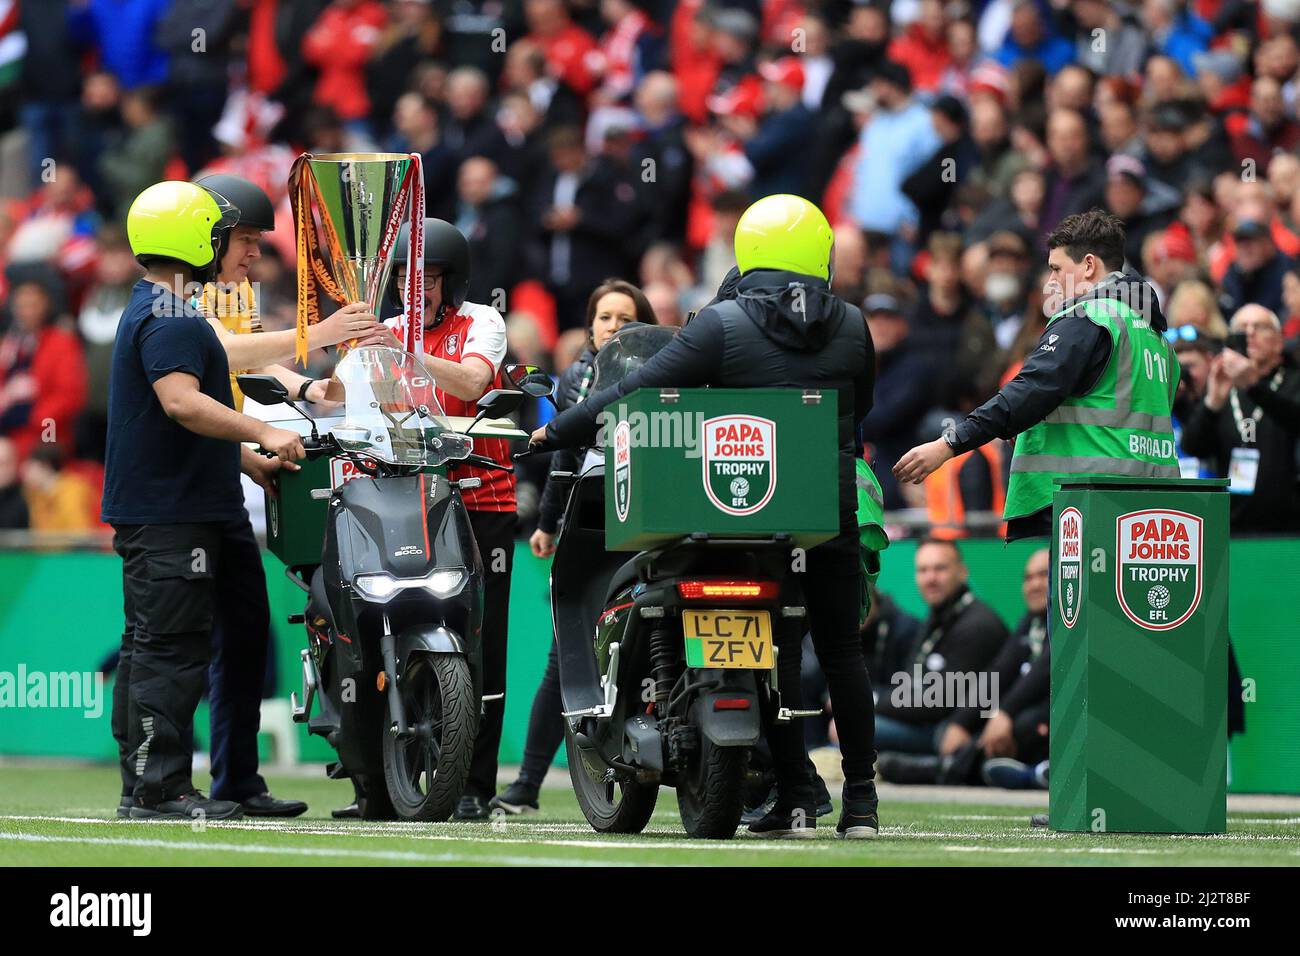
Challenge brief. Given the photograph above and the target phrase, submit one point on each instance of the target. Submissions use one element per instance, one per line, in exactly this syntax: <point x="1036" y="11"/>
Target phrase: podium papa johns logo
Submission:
<point x="739" y="462"/>
<point x="622" y="470"/>
<point x="1158" y="567"/>
<point x="1069" y="565"/>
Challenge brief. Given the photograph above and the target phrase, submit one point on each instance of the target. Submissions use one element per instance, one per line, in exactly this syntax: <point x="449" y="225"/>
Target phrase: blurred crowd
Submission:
<point x="578" y="141"/>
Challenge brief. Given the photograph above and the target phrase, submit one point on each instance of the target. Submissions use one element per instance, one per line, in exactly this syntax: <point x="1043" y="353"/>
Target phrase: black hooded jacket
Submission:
<point x="1070" y="358"/>
<point x="782" y="330"/>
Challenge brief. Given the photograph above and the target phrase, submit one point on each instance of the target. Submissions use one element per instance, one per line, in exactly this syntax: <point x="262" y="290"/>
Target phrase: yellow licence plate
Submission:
<point x="728" y="639"/>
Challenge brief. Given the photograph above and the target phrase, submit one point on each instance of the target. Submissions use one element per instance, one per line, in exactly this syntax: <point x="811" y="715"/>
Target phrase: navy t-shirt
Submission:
<point x="157" y="471"/>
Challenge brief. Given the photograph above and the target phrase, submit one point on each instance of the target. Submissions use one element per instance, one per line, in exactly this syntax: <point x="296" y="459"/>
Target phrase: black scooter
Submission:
<point x="394" y="610"/>
<point x="641" y="708"/>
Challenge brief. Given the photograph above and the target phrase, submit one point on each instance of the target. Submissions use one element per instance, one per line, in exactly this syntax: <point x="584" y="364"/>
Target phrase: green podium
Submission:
<point x="1139" y="634"/>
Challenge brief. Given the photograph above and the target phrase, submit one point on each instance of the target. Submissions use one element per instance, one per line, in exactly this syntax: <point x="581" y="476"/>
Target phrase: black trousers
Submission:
<point x="545" y="725"/>
<point x="241" y="637"/>
<point x="171" y="578"/>
<point x="832" y="588"/>
<point x="494" y="531"/>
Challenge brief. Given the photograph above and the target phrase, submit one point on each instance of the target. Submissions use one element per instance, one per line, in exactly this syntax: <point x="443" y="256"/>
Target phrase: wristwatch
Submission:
<point x="302" y="390"/>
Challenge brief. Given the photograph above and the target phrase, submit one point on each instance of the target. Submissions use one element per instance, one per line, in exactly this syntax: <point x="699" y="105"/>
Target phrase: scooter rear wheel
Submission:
<point x="426" y="772"/>
<point x="710" y="793"/>
<point x="613" y="807"/>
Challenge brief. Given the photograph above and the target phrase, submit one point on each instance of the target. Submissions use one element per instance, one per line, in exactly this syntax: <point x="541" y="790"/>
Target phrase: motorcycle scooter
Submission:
<point x="394" y="609"/>
<point x="641" y="710"/>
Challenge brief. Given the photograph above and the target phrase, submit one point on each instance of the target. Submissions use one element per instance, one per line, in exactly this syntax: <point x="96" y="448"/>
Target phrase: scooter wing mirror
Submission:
<point x="263" y="389"/>
<point x="531" y="380"/>
<point x="499" y="402"/>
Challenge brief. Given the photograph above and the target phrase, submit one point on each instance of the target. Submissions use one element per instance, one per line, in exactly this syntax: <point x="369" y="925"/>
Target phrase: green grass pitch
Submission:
<point x="56" y="815"/>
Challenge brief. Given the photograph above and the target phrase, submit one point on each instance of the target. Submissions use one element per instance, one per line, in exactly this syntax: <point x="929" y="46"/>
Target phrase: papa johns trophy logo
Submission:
<point x="1069" y="565"/>
<point x="622" y="469"/>
<point x="739" y="462"/>
<point x="1159" y="567"/>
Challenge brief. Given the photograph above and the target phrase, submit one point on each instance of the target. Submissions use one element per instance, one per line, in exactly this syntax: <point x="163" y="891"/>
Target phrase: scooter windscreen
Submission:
<point x="627" y="350"/>
<point x="391" y="412"/>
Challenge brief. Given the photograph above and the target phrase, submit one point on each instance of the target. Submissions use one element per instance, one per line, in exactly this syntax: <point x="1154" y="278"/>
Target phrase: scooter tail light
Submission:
<point x="727" y="590"/>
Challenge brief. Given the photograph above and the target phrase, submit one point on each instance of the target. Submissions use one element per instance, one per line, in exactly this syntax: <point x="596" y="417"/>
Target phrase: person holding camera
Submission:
<point x="1249" y="421"/>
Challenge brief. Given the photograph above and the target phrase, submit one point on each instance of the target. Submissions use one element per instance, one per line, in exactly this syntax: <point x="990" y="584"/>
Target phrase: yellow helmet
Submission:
<point x="179" y="220"/>
<point x="784" y="232"/>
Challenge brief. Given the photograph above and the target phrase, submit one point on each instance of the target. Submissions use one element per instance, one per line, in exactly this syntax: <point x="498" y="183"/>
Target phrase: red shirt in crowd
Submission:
<point x="571" y="55"/>
<point x="339" y="44"/>
<point x="51" y="377"/>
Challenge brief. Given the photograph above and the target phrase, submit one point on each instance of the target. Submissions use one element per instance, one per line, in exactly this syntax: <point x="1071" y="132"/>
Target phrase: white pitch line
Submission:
<point x="405" y="856"/>
<point x="1048" y="849"/>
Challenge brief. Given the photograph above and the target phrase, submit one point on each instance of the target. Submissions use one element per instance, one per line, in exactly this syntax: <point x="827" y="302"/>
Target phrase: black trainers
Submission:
<point x="189" y="806"/>
<point x="785" y="823"/>
<point x="265" y="805"/>
<point x="824" y="805"/>
<point x="124" y="805"/>
<point x="471" y="808"/>
<point x="518" y="798"/>
<point x="351" y="812"/>
<point x="859" y="816"/>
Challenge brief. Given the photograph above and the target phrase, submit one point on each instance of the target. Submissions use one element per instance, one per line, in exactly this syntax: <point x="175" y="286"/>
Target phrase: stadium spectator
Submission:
<point x="197" y="38"/>
<point x="586" y="209"/>
<point x="774" y="147"/>
<point x="904" y="379"/>
<point x="140" y="157"/>
<point x="124" y="33"/>
<point x="1005" y="743"/>
<point x="1074" y="182"/>
<point x="1249" y="422"/>
<point x="932" y="186"/>
<point x="1255" y="276"/>
<point x="567" y="47"/>
<point x="1268" y="129"/>
<point x="413" y="36"/>
<point x="42" y="375"/>
<point x="1030" y="38"/>
<point x="959" y="637"/>
<point x="338" y="45"/>
<point x="488" y="216"/>
<point x="897" y="138"/>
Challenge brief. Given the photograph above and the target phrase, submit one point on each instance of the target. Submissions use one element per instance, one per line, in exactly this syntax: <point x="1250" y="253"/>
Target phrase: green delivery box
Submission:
<point x="726" y="462"/>
<point x="1139" y="637"/>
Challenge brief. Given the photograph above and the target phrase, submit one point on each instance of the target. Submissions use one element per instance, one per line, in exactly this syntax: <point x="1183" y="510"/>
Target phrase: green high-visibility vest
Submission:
<point x="1121" y="427"/>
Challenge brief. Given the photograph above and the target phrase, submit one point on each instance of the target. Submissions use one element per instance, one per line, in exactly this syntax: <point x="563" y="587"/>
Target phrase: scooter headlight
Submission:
<point x="376" y="587"/>
<point x="444" y="582"/>
<point x="441" y="582"/>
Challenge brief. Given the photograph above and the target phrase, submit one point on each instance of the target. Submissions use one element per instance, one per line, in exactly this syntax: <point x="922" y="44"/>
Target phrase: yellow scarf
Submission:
<point x="236" y="309"/>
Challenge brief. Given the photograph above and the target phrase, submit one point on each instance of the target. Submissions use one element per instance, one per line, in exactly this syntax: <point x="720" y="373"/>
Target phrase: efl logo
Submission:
<point x="622" y="470"/>
<point x="1158" y="567"/>
<point x="1069" y="565"/>
<point x="739" y="462"/>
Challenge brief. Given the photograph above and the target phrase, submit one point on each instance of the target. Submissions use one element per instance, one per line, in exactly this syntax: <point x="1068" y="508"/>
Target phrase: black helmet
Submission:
<point x="253" y="203"/>
<point x="444" y="246"/>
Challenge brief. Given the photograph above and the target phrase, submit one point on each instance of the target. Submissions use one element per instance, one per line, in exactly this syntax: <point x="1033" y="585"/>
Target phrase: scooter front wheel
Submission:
<point x="426" y="770"/>
<point x="610" y="806"/>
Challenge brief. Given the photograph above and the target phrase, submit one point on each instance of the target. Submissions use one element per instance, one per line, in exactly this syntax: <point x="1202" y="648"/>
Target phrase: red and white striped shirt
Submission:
<point x="476" y="333"/>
